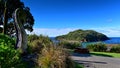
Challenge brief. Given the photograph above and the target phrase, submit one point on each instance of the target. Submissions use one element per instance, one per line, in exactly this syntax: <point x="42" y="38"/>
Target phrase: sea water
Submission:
<point x="112" y="40"/>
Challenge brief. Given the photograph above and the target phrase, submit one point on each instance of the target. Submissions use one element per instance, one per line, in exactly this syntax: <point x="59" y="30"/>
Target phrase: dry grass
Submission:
<point x="54" y="57"/>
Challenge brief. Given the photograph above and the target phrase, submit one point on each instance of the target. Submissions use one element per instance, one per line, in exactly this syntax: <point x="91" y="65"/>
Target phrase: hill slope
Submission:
<point x="83" y="35"/>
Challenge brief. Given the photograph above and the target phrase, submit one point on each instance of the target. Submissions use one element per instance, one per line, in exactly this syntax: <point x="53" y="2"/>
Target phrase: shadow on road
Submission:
<point x="81" y="55"/>
<point x="83" y="61"/>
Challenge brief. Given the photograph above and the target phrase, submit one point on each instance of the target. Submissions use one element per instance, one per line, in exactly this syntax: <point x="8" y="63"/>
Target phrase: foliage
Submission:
<point x="115" y="49"/>
<point x="83" y="35"/>
<point x="99" y="47"/>
<point x="35" y="46"/>
<point x="54" y="57"/>
<point x="36" y="43"/>
<point x="4" y="39"/>
<point x="107" y="54"/>
<point x="7" y="8"/>
<point x="32" y="37"/>
<point x="69" y="45"/>
<point x="77" y="65"/>
<point x="9" y="57"/>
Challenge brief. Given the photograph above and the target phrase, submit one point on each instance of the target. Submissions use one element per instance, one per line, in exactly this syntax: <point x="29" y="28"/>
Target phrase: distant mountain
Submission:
<point x="83" y="35"/>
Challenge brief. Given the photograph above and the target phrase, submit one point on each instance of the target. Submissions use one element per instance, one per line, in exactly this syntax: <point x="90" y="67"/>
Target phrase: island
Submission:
<point x="83" y="36"/>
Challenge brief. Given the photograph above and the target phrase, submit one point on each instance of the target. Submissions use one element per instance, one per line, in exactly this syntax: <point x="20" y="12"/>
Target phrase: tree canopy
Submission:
<point x="7" y="8"/>
<point x="83" y="35"/>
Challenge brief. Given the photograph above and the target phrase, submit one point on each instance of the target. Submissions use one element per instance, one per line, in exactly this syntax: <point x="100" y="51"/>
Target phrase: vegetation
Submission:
<point x="115" y="49"/>
<point x="7" y="8"/>
<point x="9" y="57"/>
<point x="36" y="43"/>
<point x="46" y="53"/>
<point x="77" y="65"/>
<point x="99" y="47"/>
<point x="54" y="57"/>
<point x="107" y="54"/>
<point x="83" y="35"/>
<point x="4" y="39"/>
<point x="69" y="45"/>
<point x="48" y="56"/>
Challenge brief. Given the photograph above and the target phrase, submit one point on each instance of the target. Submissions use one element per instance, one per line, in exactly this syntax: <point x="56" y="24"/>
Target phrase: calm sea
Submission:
<point x="112" y="40"/>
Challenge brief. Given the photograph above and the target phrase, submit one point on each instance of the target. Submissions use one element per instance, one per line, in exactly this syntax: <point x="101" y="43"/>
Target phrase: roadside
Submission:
<point x="91" y="61"/>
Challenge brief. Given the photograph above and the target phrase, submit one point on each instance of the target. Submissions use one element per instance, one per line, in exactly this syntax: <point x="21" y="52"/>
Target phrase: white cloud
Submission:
<point x="110" y="32"/>
<point x="51" y="32"/>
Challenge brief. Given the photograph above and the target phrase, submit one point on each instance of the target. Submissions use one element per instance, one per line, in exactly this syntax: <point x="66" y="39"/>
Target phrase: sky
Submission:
<point x="58" y="17"/>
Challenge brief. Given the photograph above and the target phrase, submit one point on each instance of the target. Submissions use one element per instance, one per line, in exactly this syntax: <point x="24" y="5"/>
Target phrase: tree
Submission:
<point x="7" y="8"/>
<point x="21" y="41"/>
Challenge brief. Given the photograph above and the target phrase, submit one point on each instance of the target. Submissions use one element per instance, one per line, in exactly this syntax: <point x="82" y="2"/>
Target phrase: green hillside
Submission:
<point x="83" y="35"/>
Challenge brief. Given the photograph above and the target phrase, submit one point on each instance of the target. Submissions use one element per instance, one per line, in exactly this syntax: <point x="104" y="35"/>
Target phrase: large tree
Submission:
<point x="7" y="8"/>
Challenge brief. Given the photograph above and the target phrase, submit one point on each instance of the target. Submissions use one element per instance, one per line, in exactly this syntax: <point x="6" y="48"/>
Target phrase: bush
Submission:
<point x="36" y="43"/>
<point x="115" y="49"/>
<point x="70" y="45"/>
<point x="54" y="57"/>
<point x="9" y="57"/>
<point x="4" y="39"/>
<point x="32" y="37"/>
<point x="99" y="47"/>
<point x="35" y="46"/>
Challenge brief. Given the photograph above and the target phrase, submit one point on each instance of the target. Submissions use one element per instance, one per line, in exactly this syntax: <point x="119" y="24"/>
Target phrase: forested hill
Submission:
<point x="83" y="35"/>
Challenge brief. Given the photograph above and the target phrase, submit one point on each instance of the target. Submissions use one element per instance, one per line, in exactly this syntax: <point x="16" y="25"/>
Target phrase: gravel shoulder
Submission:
<point x="90" y="61"/>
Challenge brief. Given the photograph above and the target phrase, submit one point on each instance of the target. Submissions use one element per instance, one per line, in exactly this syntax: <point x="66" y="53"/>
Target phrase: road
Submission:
<point x="96" y="61"/>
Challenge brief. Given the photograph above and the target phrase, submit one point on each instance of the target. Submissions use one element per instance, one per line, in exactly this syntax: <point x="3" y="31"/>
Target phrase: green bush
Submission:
<point x="9" y="57"/>
<point x="99" y="47"/>
<point x="4" y="39"/>
<point x="35" y="46"/>
<point x="36" y="43"/>
<point x="115" y="49"/>
<point x="32" y="37"/>
<point x="70" y="45"/>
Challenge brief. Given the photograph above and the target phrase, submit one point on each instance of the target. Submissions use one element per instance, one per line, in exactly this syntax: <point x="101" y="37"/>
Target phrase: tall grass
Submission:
<point x="36" y="43"/>
<point x="115" y="49"/>
<point x="99" y="47"/>
<point x="69" y="44"/>
<point x="48" y="54"/>
<point x="54" y="57"/>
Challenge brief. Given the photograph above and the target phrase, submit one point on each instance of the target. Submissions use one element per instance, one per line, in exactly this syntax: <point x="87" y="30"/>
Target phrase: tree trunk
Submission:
<point x="5" y="21"/>
<point x="21" y="42"/>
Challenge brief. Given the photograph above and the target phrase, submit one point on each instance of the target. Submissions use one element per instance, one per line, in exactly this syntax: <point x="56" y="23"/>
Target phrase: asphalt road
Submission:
<point x="96" y="61"/>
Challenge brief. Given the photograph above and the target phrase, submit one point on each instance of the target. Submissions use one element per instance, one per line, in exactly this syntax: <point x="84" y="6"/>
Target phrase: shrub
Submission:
<point x="70" y="45"/>
<point x="99" y="47"/>
<point x="4" y="39"/>
<point x="9" y="57"/>
<point x="54" y="57"/>
<point x="32" y="37"/>
<point x="36" y="43"/>
<point x="35" y="46"/>
<point x="115" y="49"/>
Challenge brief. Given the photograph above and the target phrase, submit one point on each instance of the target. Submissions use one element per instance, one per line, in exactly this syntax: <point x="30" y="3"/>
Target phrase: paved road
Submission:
<point x="96" y="61"/>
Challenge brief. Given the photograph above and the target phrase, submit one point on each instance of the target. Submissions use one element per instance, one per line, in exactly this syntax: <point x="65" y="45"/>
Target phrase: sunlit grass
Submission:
<point x="107" y="54"/>
<point x="54" y="57"/>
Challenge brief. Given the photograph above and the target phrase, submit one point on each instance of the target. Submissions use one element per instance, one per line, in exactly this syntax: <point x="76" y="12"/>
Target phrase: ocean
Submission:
<point x="112" y="40"/>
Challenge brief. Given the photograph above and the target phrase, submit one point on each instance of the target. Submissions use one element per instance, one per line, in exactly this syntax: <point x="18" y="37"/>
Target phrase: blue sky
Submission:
<point x="57" y="17"/>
